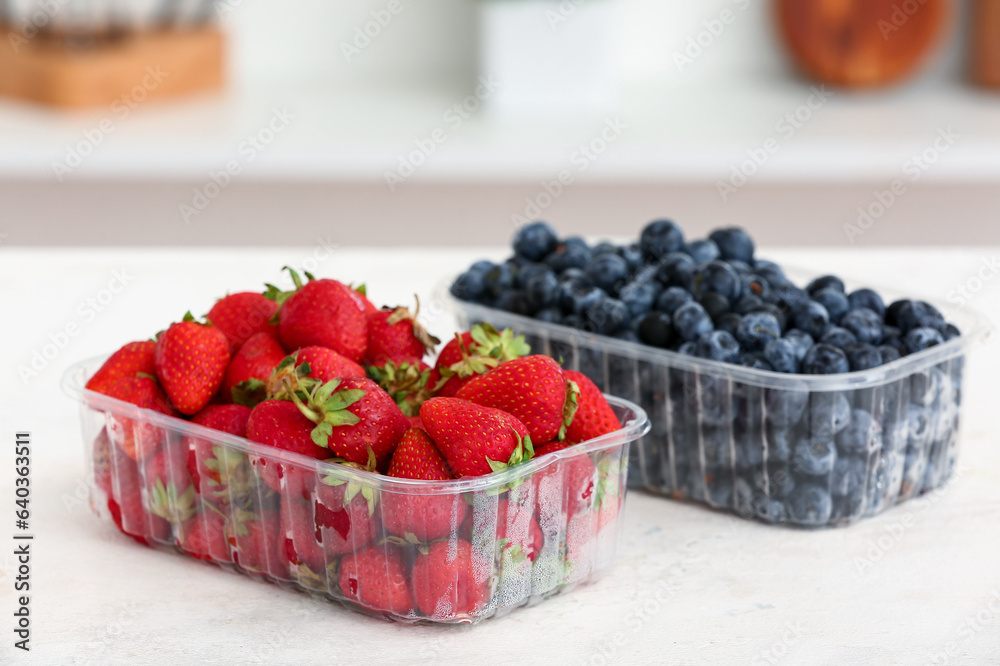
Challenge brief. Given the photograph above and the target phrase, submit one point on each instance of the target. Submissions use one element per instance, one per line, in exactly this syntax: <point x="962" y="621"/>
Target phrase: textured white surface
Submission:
<point x="690" y="585"/>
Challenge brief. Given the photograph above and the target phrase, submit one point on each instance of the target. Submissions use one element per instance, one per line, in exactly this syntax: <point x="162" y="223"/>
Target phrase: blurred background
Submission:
<point x="450" y="122"/>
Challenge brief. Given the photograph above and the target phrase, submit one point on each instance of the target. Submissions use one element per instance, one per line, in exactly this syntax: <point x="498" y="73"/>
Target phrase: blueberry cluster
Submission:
<point x="710" y="298"/>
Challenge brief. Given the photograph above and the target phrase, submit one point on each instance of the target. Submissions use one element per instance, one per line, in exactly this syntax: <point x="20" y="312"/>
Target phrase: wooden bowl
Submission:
<point x="860" y="43"/>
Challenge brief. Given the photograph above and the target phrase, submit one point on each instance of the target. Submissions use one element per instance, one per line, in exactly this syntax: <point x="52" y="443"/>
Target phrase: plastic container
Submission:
<point x="440" y="552"/>
<point x="734" y="438"/>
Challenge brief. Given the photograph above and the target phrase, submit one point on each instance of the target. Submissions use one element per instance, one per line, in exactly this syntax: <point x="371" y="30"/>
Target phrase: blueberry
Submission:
<point x="848" y="476"/>
<point x="757" y="329"/>
<point x="715" y="304"/>
<point x="754" y="360"/>
<point x="608" y="271"/>
<point x="747" y="303"/>
<point x="675" y="270"/>
<point x="863" y="356"/>
<point x="741" y="267"/>
<point x="688" y="349"/>
<point x="575" y="275"/>
<point x="812" y="319"/>
<point x="632" y="256"/>
<point x="825" y="282"/>
<point x="814" y="457"/>
<point x="628" y="336"/>
<point x="772" y="273"/>
<point x="864" y="324"/>
<point x="810" y="505"/>
<point x="780" y="353"/>
<point x="607" y="316"/>
<point x="718" y="346"/>
<point x="469" y="286"/>
<point x="660" y="238"/>
<point x="918" y="314"/>
<point x="919" y="339"/>
<point x="801" y="341"/>
<point x="499" y="279"/>
<point x="838" y="337"/>
<point x="514" y="300"/>
<point x="578" y="241"/>
<point x="702" y="251"/>
<point x="535" y="241"/>
<point x="889" y="353"/>
<point x="755" y="285"/>
<point x="482" y="266"/>
<point x="604" y="248"/>
<point x="573" y="321"/>
<point x="950" y="332"/>
<point x="867" y="298"/>
<point x="891" y="332"/>
<point x="772" y="309"/>
<point x="770" y="510"/>
<point x="648" y="274"/>
<point x="716" y="277"/>
<point x="550" y="315"/>
<point x="728" y="322"/>
<point x="672" y="298"/>
<point x="789" y="298"/>
<point x="657" y="329"/>
<point x="543" y="291"/>
<point x="528" y="272"/>
<point x="834" y="301"/>
<point x="825" y="359"/>
<point x="892" y="311"/>
<point x="780" y="441"/>
<point x="829" y="413"/>
<point x="584" y="298"/>
<point x="691" y="321"/>
<point x="569" y="256"/>
<point x="862" y="436"/>
<point x="734" y="243"/>
<point x="785" y="407"/>
<point x="639" y="297"/>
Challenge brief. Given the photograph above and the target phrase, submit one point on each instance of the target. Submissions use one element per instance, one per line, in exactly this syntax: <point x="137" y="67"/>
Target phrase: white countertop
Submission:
<point x="690" y="585"/>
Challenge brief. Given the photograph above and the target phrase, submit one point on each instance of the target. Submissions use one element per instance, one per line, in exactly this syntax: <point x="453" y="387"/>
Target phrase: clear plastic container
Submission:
<point x="411" y="551"/>
<point x="738" y="438"/>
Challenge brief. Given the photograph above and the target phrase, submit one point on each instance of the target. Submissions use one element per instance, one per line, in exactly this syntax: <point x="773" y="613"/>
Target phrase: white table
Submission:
<point x="690" y="585"/>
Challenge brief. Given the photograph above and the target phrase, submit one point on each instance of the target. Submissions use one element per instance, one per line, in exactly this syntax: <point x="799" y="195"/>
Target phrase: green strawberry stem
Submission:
<point x="570" y="408"/>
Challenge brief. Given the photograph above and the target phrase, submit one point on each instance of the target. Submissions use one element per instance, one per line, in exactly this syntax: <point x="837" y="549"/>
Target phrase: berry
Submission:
<point x="138" y="439"/>
<point x="780" y="353"/>
<point x="919" y="339"/>
<point x="864" y="324"/>
<point x="515" y="301"/>
<point x="326" y="364"/>
<point x="469" y="286"/>
<point x="594" y="416"/>
<point x="836" y="336"/>
<point x="659" y="238"/>
<point x="917" y="314"/>
<point x="451" y="580"/>
<point x="639" y="297"/>
<point x="241" y="316"/>
<point x="834" y="301"/>
<point x="810" y="505"/>
<point x="569" y="256"/>
<point x="813" y="319"/>
<point x="475" y="440"/>
<point x="734" y="243"/>
<point x="718" y="346"/>
<point x="691" y="321"/>
<point x="825" y="282"/>
<point x="814" y="457"/>
<point x="869" y="299"/>
<point x="824" y="359"/>
<point x="608" y="271"/>
<point x="715" y="304"/>
<point x="757" y="329"/>
<point x="756" y="286"/>
<point x="863" y="356"/>
<point x="789" y="298"/>
<point x="675" y="270"/>
<point x="375" y="578"/>
<point x="191" y="361"/>
<point x="324" y="313"/>
<point x="535" y="241"/>
<point x="801" y="341"/>
<point x="702" y="251"/>
<point x="730" y="323"/>
<point x="498" y="279"/>
<point x="862" y="436"/>
<point x="473" y="353"/>
<point x="542" y="291"/>
<point x="395" y="334"/>
<point x="131" y="359"/>
<point x="716" y="277"/>
<point x="257" y="358"/>
<point x="889" y="353"/>
<point x="656" y="329"/>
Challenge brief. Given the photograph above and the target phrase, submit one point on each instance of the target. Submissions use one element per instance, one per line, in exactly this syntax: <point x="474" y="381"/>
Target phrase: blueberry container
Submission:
<point x="411" y="551"/>
<point x="808" y="450"/>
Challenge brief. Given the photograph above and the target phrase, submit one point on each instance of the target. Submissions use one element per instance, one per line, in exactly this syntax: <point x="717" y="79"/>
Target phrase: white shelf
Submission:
<point x="676" y="135"/>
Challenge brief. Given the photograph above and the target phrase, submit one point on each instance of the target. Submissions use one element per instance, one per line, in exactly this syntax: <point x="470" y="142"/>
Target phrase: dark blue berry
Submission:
<point x="604" y="248"/>
<point x="639" y="297"/>
<point x="862" y="436"/>
<point x="848" y="476"/>
<point x="747" y="304"/>
<point x="919" y="339"/>
<point x="810" y="505"/>
<point x="482" y="266"/>
<point x="784" y="408"/>
<point x="834" y="301"/>
<point x="716" y="277"/>
<point x="864" y="324"/>
<point x="657" y="329"/>
<point x="715" y="304"/>
<point x="688" y="348"/>
<point x="584" y="298"/>
<point x="543" y="291"/>
<point x="675" y="270"/>
<point x="741" y="267"/>
<point x="628" y="336"/>
<point x="632" y="256"/>
<point x="499" y="279"/>
<point x="734" y="243"/>
<point x="754" y="360"/>
<point x="814" y="457"/>
<point x="672" y="298"/>
<point x="535" y="241"/>
<point x="755" y="285"/>
<point x="867" y="298"/>
<point x="607" y="316"/>
<point x="702" y="251"/>
<point x="569" y="256"/>
<point x="757" y="329"/>
<point x="771" y="272"/>
<point x="780" y="353"/>
<point x="825" y="359"/>
<point x="801" y="341"/>
<point x="528" y="272"/>
<point x="550" y="315"/>
<point x="728" y="322"/>
<point x="838" y="337"/>
<point x="812" y="319"/>
<point x="889" y="353"/>
<point x="789" y="298"/>
<point x="772" y="309"/>
<point x="660" y="238"/>
<point x="829" y="413"/>
<point x="514" y="300"/>
<point x="608" y="271"/>
<point x="918" y="314"/>
<point x="469" y="286"/>
<point x="863" y="356"/>
<point x="691" y="321"/>
<point x="950" y="332"/>
<point x="825" y="282"/>
<point x="718" y="346"/>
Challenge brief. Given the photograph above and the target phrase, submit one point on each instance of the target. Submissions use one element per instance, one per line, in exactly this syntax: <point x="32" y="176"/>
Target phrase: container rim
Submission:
<point x="975" y="327"/>
<point x="73" y="384"/>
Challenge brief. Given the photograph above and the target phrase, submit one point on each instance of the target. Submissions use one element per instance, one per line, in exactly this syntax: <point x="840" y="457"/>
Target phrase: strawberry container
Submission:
<point x="412" y="551"/>
<point x="726" y="435"/>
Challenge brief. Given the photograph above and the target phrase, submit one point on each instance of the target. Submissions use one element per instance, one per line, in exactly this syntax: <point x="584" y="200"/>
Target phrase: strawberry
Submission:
<point x="594" y="416"/>
<point x="138" y="439"/>
<point x="191" y="361"/>
<point x="302" y="545"/>
<point x="532" y="388"/>
<point x="218" y="472"/>
<point x="451" y="580"/>
<point x="405" y="381"/>
<point x="426" y="517"/>
<point x="345" y="516"/>
<point x="170" y="493"/>
<point x="326" y="364"/>
<point x="118" y="476"/>
<point x="204" y="537"/>
<point x="394" y="333"/>
<point x="376" y="579"/>
<point x="256" y="359"/>
<point x="326" y="313"/>
<point x="573" y="479"/>
<point x="475" y="440"/>
<point x="362" y="292"/>
<point x="473" y="353"/>
<point x="240" y="316"/>
<point x="130" y="360"/>
<point x="518" y="530"/>
<point x="256" y="542"/>
<point x="279" y="423"/>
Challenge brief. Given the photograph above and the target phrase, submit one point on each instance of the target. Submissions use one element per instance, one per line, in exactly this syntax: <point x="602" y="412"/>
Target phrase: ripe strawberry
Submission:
<point x="376" y="579"/>
<point x="204" y="537"/>
<point x="170" y="493"/>
<point x="426" y="517"/>
<point x="532" y="388"/>
<point x="326" y="313"/>
<point x="118" y="476"/>
<point x="256" y="542"/>
<point x="256" y="359"/>
<point x="473" y="353"/>
<point x="136" y="438"/>
<point x="191" y="361"/>
<point x="394" y="333"/>
<point x="279" y="423"/>
<point x="326" y="364"/>
<point x="594" y="416"/>
<point x="218" y="472"/>
<point x="518" y="529"/>
<point x="451" y="580"/>
<point x="405" y="381"/>
<point x="345" y="516"/>
<point x="302" y="545"/>
<point x="130" y="360"/>
<point x="362" y="291"/>
<point x="573" y="479"/>
<point x="475" y="440"/>
<point x="240" y="316"/>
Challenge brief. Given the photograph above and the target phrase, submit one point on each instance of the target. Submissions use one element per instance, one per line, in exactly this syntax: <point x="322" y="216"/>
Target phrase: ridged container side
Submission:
<point x="415" y="552"/>
<point x="804" y="450"/>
